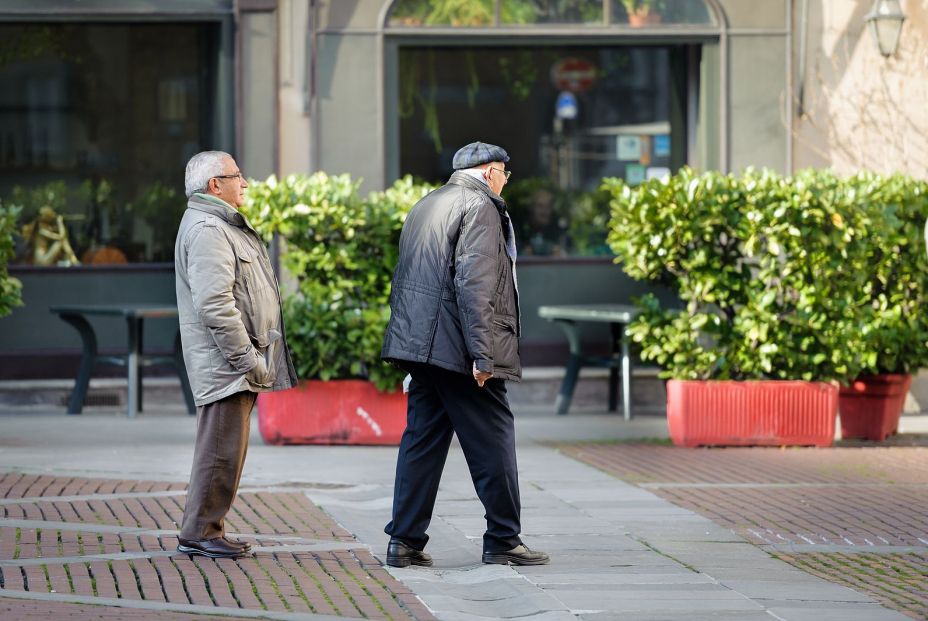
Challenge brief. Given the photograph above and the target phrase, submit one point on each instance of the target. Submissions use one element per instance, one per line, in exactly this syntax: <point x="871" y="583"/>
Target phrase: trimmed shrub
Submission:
<point x="10" y="288"/>
<point x="812" y="277"/>
<point x="341" y="250"/>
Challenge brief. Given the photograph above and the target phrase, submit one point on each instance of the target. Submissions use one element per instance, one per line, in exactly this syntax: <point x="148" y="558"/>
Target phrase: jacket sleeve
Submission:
<point x="211" y="275"/>
<point x="476" y="272"/>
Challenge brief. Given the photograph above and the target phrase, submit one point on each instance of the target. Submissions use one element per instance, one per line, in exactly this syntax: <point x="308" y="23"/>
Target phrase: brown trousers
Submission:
<point x="222" y="441"/>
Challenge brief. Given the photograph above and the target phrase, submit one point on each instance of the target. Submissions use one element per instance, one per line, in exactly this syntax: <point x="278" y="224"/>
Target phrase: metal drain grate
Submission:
<point x="97" y="399"/>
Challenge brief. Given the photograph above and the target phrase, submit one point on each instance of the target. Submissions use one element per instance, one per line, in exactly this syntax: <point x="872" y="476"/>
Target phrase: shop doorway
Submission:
<point x="569" y="116"/>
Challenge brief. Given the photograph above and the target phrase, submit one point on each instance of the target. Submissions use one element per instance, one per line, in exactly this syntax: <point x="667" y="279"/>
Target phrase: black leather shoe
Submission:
<point x="401" y="555"/>
<point x="213" y="548"/>
<point x="519" y="555"/>
<point x="244" y="545"/>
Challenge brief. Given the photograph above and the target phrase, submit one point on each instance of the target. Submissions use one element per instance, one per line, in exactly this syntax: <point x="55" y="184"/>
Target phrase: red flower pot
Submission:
<point x="333" y="412"/>
<point x="871" y="406"/>
<point x="762" y="413"/>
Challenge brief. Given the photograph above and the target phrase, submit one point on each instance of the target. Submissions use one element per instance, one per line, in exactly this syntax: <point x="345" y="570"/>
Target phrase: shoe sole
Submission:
<point x="506" y="559"/>
<point x="197" y="551"/>
<point x="402" y="561"/>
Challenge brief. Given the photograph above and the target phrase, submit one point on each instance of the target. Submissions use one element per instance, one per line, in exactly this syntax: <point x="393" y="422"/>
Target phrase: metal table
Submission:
<point x="617" y="316"/>
<point x="135" y="314"/>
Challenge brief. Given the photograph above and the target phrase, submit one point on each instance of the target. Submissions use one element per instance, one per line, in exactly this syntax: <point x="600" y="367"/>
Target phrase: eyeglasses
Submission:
<point x="236" y="175"/>
<point x="508" y="173"/>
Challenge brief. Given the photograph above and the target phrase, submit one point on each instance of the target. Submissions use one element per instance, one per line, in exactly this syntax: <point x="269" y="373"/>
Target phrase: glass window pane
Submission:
<point x="443" y="13"/>
<point x="517" y="12"/>
<point x="568" y="116"/>
<point x="639" y="13"/>
<point x="97" y="122"/>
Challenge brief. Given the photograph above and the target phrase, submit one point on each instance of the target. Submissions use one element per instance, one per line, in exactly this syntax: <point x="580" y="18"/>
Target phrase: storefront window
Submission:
<point x="490" y="13"/>
<point x="568" y="115"/>
<point x="96" y="124"/>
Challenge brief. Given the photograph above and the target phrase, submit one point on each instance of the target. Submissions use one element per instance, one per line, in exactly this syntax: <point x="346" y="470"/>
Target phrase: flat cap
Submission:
<point x="477" y="153"/>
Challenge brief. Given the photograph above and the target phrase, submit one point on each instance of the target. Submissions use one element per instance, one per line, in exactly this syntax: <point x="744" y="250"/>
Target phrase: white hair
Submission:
<point x="201" y="168"/>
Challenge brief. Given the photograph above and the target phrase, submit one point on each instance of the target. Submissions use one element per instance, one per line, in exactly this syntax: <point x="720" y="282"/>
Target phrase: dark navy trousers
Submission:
<point x="442" y="403"/>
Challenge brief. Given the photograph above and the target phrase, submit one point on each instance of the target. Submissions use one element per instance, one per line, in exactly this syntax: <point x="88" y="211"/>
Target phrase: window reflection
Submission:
<point x="95" y="130"/>
<point x="443" y="13"/>
<point x="569" y="116"/>
<point x="483" y="13"/>
<point x="520" y="12"/>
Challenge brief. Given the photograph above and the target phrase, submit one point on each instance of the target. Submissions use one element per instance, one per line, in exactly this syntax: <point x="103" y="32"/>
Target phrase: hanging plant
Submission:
<point x="430" y="107"/>
<point x="473" y="80"/>
<point x="520" y="72"/>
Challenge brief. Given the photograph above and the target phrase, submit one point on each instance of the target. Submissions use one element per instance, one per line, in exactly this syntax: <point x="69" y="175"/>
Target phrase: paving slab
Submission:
<point x="614" y="545"/>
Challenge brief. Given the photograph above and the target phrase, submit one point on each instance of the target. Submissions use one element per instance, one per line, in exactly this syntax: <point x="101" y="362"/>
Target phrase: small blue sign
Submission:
<point x="661" y="145"/>
<point x="566" y="106"/>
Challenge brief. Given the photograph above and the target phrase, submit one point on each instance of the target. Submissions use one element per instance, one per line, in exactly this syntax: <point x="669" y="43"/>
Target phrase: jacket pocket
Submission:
<point x="505" y="343"/>
<point x="257" y="300"/>
<point x="243" y="291"/>
<point x="264" y="346"/>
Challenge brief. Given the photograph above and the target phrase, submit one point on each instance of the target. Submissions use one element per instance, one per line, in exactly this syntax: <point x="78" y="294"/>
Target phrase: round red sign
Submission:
<point x="573" y="74"/>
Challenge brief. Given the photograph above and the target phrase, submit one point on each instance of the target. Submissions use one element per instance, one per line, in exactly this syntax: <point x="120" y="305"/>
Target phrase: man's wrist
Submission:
<point x="483" y="365"/>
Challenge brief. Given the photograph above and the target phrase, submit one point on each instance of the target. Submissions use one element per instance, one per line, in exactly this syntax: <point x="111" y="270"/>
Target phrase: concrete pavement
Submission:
<point x="618" y="551"/>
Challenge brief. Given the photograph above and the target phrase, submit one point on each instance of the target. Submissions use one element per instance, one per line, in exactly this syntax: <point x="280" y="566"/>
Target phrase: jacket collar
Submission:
<point x="217" y="207"/>
<point x="461" y="178"/>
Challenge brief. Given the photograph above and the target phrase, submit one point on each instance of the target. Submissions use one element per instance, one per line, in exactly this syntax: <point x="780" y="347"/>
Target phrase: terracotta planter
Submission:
<point x="333" y="412"/>
<point x="871" y="406"/>
<point x="755" y="413"/>
<point x="637" y="20"/>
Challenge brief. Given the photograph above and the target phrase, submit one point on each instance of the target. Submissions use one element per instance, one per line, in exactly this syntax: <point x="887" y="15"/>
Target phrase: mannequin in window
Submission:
<point x="48" y="239"/>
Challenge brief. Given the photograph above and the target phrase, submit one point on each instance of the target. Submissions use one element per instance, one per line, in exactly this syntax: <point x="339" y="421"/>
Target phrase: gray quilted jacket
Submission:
<point x="228" y="303"/>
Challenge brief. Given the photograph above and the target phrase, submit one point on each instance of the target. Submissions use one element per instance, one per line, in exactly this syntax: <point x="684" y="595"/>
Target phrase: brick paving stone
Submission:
<point x="102" y="578"/>
<point x="218" y="584"/>
<point x="345" y="582"/>
<point x="852" y="497"/>
<point x="30" y="610"/>
<point x="80" y="578"/>
<point x="241" y="586"/>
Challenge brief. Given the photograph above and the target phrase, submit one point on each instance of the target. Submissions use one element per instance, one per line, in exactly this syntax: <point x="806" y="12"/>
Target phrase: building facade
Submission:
<point x="103" y="101"/>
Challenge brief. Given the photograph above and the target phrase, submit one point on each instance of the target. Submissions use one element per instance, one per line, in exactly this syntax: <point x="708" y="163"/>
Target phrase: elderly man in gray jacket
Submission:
<point x="232" y="333"/>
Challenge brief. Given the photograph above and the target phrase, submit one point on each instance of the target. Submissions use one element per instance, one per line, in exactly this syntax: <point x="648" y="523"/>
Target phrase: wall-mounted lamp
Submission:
<point x="885" y="19"/>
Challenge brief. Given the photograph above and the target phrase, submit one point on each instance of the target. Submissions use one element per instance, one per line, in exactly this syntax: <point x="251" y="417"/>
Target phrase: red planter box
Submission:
<point x="333" y="412"/>
<point x="754" y="413"/>
<point x="871" y="406"/>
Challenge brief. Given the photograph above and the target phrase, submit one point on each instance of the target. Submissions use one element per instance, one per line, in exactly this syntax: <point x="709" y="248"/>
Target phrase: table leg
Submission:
<point x="88" y="361"/>
<point x="182" y="373"/>
<point x="132" y="363"/>
<point x="141" y="350"/>
<point x="626" y="379"/>
<point x="562" y="405"/>
<point x="616" y="330"/>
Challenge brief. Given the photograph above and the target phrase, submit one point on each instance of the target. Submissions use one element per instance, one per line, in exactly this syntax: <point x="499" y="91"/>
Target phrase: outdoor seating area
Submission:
<point x="135" y="360"/>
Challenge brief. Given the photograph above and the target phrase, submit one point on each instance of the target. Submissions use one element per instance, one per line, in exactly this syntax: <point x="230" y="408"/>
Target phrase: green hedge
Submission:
<point x="10" y="288"/>
<point x="341" y="249"/>
<point x="812" y="277"/>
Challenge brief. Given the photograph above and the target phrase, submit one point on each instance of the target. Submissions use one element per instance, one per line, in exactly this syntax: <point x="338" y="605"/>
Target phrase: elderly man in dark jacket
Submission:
<point x="455" y="328"/>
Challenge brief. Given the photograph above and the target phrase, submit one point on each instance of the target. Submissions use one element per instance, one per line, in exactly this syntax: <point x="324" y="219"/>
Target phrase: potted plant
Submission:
<point x="10" y="288"/>
<point x="894" y="326"/>
<point x="338" y="250"/>
<point x="770" y="272"/>
<point x="643" y="12"/>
